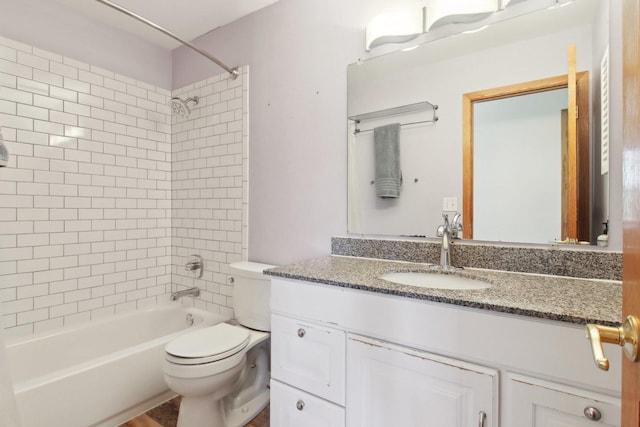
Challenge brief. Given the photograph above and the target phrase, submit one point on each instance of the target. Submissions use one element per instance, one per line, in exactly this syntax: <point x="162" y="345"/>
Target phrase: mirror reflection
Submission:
<point x="526" y="48"/>
<point x="522" y="159"/>
<point x="519" y="177"/>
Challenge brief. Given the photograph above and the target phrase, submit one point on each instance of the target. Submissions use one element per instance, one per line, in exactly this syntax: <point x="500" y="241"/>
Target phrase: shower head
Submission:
<point x="180" y="107"/>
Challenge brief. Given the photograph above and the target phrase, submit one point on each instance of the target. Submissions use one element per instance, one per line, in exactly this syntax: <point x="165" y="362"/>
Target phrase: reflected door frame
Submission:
<point x="577" y="216"/>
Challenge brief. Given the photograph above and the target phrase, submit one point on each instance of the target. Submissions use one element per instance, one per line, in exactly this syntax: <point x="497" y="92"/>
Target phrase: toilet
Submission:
<point x="222" y="371"/>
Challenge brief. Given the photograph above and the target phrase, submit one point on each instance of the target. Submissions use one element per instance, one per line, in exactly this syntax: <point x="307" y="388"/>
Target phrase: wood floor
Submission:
<point x="166" y="415"/>
<point x="142" y="421"/>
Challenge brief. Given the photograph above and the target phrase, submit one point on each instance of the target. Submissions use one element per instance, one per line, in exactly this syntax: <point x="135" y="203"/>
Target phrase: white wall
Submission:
<point x="9" y="416"/>
<point x="517" y="168"/>
<point x="433" y="153"/>
<point x="106" y="194"/>
<point x="49" y="25"/>
<point x="298" y="52"/>
<point x="209" y="187"/>
<point x="614" y="179"/>
<point x="85" y="227"/>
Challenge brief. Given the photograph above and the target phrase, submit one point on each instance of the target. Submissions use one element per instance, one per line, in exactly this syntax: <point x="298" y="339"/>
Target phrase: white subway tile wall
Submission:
<point x="209" y="186"/>
<point x="86" y="200"/>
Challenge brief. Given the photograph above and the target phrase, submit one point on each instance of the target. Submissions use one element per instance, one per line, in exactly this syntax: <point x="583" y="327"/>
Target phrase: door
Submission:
<point x="392" y="385"/>
<point x="631" y="200"/>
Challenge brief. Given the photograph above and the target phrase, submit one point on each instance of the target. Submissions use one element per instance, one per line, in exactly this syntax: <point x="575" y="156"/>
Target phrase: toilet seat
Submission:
<point x="207" y="345"/>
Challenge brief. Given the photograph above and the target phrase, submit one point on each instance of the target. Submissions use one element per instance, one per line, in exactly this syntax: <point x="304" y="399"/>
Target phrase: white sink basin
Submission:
<point x="435" y="280"/>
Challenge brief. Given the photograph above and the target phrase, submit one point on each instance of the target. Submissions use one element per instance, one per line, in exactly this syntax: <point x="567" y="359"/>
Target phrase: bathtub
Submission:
<point x="100" y="373"/>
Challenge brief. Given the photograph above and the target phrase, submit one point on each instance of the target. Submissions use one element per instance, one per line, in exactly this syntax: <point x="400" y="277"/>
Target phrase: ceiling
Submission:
<point x="187" y="19"/>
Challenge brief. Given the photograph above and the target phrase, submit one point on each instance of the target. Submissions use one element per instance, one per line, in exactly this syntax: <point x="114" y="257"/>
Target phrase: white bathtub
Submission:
<point x="101" y="373"/>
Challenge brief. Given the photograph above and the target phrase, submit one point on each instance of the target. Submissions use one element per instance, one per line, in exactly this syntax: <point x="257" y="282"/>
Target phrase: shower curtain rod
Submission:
<point x="233" y="71"/>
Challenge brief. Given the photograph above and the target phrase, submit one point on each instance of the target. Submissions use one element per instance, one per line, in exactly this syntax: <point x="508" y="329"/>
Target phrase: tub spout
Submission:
<point x="191" y="292"/>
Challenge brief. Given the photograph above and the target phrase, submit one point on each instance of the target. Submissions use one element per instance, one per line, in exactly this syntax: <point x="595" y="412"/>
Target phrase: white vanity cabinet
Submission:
<point x="391" y="385"/>
<point x="308" y="374"/>
<point x="291" y="407"/>
<point x="538" y="403"/>
<point x="309" y="357"/>
<point x="379" y="360"/>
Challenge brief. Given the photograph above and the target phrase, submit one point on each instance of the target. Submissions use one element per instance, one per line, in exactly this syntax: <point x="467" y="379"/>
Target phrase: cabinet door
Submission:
<point x="291" y="407"/>
<point x="309" y="357"/>
<point x="391" y="385"/>
<point x="537" y="403"/>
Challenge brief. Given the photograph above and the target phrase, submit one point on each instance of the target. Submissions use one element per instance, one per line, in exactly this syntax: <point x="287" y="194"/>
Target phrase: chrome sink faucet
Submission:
<point x="191" y="292"/>
<point x="448" y="231"/>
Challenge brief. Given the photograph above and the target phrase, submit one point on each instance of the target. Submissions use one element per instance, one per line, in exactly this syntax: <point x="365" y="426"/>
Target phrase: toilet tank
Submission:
<point x="251" y="294"/>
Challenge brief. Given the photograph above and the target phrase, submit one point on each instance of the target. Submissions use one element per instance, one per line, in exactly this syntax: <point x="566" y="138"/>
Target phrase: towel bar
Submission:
<point x="395" y="111"/>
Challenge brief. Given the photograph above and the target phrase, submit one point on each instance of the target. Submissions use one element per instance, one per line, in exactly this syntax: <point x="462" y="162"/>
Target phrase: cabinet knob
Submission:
<point x="592" y="413"/>
<point x="301" y="332"/>
<point x="300" y="405"/>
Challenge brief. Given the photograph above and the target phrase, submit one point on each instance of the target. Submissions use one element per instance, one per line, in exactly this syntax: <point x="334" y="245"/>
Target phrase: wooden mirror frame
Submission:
<point x="576" y="217"/>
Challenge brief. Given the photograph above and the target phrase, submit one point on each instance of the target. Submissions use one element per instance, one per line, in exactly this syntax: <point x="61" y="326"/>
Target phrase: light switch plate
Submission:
<point x="450" y="204"/>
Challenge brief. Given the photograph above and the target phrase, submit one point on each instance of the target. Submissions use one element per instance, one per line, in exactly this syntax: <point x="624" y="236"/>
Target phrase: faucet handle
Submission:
<point x="456" y="225"/>
<point x="456" y="219"/>
<point x="444" y="227"/>
<point x="195" y="265"/>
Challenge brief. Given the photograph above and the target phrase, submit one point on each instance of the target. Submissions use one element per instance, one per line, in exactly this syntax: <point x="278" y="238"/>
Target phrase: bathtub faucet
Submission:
<point x="195" y="265"/>
<point x="191" y="292"/>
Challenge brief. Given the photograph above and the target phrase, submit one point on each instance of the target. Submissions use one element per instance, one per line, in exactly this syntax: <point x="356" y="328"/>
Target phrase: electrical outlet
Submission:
<point x="450" y="204"/>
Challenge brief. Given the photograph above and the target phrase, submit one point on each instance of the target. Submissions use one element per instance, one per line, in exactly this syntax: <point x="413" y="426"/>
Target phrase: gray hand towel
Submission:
<point x="388" y="176"/>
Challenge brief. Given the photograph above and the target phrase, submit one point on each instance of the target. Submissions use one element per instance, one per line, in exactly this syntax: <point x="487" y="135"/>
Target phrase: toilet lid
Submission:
<point x="207" y="344"/>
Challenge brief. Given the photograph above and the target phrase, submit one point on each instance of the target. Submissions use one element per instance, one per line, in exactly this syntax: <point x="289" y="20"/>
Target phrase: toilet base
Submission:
<point x="239" y="417"/>
<point x="227" y="399"/>
<point x="200" y="411"/>
<point x="203" y="411"/>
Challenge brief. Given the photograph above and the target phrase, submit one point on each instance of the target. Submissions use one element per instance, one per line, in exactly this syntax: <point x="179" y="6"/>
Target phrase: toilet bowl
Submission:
<point x="222" y="372"/>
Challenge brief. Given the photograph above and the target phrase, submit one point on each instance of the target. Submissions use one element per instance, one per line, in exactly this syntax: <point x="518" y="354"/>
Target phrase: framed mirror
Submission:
<point x="528" y="47"/>
<point x="519" y="159"/>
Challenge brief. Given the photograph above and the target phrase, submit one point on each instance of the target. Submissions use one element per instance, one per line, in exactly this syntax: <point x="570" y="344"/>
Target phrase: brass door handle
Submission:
<point x="625" y="336"/>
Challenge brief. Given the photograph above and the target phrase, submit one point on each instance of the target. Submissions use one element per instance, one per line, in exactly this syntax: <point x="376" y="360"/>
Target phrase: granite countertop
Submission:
<point x="565" y="299"/>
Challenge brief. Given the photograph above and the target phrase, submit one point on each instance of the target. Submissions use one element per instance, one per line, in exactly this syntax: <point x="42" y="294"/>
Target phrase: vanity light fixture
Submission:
<point x="506" y="3"/>
<point x="443" y="12"/>
<point x="476" y="30"/>
<point x="404" y="25"/>
<point x="560" y="4"/>
<point x="409" y="49"/>
<point x="394" y="27"/>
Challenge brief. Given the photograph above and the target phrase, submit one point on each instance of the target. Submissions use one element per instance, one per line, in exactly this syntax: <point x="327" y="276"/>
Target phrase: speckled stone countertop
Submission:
<point x="548" y="297"/>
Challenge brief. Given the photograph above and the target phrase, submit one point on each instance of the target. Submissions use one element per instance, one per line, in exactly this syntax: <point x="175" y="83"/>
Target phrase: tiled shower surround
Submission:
<point x="209" y="186"/>
<point x="102" y="181"/>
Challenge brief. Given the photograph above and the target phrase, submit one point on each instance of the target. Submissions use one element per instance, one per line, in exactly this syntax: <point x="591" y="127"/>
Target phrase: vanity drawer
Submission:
<point x="291" y="407"/>
<point x="309" y="357"/>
